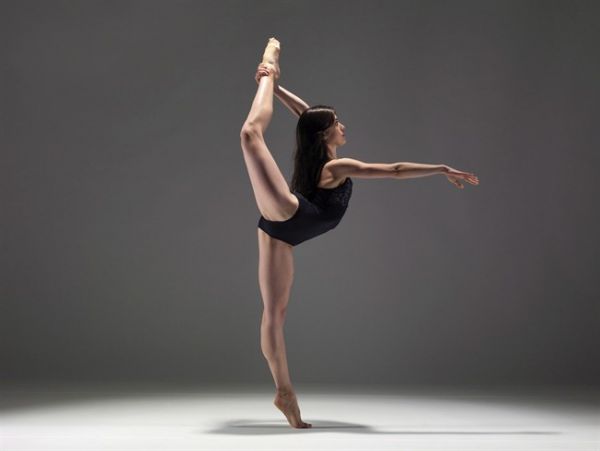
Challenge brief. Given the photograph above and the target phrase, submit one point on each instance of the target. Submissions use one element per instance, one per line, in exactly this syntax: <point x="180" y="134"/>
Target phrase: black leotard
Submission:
<point x="313" y="217"/>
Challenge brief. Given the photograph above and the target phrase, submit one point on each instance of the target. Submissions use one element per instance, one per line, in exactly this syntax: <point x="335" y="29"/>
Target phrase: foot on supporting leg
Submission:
<point x="288" y="404"/>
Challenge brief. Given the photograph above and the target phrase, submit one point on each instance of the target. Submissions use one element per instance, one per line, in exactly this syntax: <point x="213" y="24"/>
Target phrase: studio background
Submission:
<point x="128" y="234"/>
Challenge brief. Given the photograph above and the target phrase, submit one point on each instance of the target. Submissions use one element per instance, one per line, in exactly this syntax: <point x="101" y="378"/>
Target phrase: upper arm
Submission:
<point x="350" y="167"/>
<point x="298" y="112"/>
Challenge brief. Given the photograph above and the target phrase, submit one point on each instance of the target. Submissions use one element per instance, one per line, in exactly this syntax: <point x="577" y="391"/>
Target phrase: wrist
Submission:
<point x="443" y="169"/>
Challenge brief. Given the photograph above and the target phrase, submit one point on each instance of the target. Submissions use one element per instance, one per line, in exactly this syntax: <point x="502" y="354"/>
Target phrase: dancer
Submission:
<point x="320" y="191"/>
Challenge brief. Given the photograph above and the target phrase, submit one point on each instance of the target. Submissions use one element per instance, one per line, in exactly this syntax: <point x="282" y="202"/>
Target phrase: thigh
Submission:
<point x="275" y="272"/>
<point x="271" y="190"/>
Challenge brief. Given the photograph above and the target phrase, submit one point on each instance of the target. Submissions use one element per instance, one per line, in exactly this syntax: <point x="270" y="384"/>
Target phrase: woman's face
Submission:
<point x="335" y="134"/>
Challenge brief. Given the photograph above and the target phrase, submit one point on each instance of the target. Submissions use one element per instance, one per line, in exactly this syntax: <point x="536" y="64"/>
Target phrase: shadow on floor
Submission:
<point x="253" y="427"/>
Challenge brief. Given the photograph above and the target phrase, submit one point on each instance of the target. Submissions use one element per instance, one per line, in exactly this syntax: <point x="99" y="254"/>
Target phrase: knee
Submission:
<point x="250" y="132"/>
<point x="274" y="316"/>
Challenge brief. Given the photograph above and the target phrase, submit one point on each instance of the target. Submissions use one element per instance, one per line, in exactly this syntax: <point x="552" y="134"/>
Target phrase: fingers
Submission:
<point x="262" y="70"/>
<point x="472" y="179"/>
<point x="469" y="177"/>
<point x="260" y="73"/>
<point x="455" y="182"/>
<point x="262" y="67"/>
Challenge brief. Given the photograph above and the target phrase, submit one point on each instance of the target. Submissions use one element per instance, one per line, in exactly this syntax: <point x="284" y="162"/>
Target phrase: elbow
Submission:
<point x="397" y="169"/>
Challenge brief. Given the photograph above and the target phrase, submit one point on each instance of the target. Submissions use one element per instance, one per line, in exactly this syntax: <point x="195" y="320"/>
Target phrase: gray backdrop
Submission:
<point x="128" y="232"/>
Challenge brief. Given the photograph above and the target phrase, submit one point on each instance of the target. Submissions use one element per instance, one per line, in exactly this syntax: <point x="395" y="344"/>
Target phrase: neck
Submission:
<point x="332" y="151"/>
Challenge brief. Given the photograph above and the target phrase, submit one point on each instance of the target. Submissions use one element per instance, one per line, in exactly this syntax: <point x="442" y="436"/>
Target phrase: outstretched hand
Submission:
<point x="454" y="175"/>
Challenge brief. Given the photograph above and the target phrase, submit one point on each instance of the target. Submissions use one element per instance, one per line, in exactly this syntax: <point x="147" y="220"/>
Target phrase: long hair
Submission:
<point x="310" y="154"/>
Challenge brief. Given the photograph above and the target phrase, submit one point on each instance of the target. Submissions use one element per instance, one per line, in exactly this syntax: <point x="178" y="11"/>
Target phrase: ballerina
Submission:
<point x="316" y="202"/>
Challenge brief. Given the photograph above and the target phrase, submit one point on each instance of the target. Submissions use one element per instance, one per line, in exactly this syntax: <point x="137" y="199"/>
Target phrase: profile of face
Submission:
<point x="335" y="135"/>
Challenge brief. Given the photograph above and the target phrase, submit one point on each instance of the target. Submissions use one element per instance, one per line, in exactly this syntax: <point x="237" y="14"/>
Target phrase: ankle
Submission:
<point x="285" y="390"/>
<point x="273" y="72"/>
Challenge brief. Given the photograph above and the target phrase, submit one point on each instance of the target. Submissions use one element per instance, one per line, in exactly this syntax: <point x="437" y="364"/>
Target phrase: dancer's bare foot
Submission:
<point x="286" y="402"/>
<point x="271" y="57"/>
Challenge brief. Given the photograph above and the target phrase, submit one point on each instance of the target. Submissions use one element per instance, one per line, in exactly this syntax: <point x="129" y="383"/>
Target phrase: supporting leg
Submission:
<point x="276" y="274"/>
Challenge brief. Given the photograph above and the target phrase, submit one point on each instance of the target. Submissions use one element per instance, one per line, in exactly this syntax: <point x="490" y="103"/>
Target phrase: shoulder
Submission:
<point x="351" y="167"/>
<point x="330" y="175"/>
<point x="340" y="168"/>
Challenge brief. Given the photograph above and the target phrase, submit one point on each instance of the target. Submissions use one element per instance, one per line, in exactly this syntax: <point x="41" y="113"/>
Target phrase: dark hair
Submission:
<point x="310" y="154"/>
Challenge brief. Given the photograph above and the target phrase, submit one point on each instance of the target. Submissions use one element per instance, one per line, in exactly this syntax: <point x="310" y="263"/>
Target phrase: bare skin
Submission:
<point x="276" y="263"/>
<point x="276" y="202"/>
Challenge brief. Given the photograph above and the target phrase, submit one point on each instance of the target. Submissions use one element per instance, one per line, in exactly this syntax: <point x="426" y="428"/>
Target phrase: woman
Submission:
<point x="317" y="201"/>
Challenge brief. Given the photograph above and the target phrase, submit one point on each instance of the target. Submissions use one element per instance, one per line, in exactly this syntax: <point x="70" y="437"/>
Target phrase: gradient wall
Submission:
<point x="128" y="232"/>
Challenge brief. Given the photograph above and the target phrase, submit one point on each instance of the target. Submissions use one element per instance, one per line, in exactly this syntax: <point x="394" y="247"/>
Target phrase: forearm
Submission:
<point x="294" y="103"/>
<point x="407" y="170"/>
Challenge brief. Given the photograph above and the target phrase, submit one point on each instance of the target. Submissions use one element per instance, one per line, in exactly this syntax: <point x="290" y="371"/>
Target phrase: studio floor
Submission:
<point x="34" y="417"/>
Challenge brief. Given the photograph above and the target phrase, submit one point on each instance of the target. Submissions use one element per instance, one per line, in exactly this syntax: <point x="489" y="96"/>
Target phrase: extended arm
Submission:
<point x="294" y="103"/>
<point x="349" y="167"/>
<point x="407" y="170"/>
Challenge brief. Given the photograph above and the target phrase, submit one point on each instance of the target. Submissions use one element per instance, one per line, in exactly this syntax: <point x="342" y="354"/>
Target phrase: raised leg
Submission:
<point x="276" y="275"/>
<point x="262" y="106"/>
<point x="271" y="190"/>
